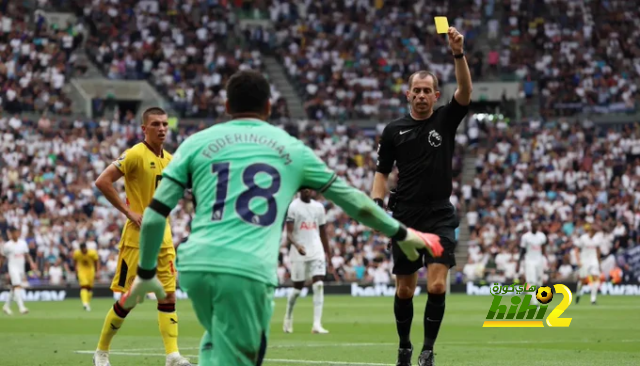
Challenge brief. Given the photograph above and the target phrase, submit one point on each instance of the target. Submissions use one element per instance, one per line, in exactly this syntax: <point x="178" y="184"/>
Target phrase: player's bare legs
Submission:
<point x="434" y="311"/>
<point x="403" y="310"/>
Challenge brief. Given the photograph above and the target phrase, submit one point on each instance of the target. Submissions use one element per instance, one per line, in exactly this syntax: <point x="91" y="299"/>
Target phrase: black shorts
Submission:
<point x="438" y="218"/>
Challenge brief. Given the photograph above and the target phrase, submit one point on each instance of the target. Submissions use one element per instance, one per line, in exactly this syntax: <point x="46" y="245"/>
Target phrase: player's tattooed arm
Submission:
<point x="154" y="222"/>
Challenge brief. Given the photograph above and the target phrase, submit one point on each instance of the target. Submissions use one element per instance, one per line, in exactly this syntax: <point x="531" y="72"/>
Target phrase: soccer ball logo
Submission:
<point x="544" y="295"/>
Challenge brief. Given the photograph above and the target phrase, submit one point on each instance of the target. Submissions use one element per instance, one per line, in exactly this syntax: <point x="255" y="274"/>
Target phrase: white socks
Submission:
<point x="579" y="289"/>
<point x="594" y="290"/>
<point x="7" y="304"/>
<point x="291" y="302"/>
<point x="318" y="302"/>
<point x="15" y="294"/>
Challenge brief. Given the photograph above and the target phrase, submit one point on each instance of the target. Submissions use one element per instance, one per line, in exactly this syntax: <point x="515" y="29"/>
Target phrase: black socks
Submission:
<point x="433" y="315"/>
<point x="403" y="310"/>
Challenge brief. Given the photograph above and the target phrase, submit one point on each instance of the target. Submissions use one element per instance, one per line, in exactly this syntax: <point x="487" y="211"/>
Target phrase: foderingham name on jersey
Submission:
<point x="231" y="139"/>
<point x="236" y="171"/>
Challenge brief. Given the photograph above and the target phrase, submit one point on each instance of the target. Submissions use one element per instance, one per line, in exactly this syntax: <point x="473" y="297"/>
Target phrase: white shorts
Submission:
<point x="533" y="273"/>
<point x="16" y="276"/>
<point x="589" y="269"/>
<point x="305" y="270"/>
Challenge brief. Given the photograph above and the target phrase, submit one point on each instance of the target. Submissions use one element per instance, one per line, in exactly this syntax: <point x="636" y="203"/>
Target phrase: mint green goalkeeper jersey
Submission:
<point x="243" y="175"/>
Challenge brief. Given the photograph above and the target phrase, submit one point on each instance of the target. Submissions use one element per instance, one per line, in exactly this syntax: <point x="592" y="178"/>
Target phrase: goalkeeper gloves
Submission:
<point x="140" y="288"/>
<point x="417" y="240"/>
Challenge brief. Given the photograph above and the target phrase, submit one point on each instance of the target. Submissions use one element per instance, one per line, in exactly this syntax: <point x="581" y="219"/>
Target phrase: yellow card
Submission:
<point x="442" y="25"/>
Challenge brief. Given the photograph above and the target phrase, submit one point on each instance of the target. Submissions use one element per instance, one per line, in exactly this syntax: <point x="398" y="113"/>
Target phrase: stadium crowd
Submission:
<point x="186" y="50"/>
<point x="585" y="56"/>
<point x="48" y="193"/>
<point x="566" y="177"/>
<point x="347" y="61"/>
<point x="349" y="58"/>
<point x="36" y="60"/>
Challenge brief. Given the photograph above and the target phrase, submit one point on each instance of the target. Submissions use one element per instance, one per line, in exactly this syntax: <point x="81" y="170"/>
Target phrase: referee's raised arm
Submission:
<point x="421" y="144"/>
<point x="463" y="75"/>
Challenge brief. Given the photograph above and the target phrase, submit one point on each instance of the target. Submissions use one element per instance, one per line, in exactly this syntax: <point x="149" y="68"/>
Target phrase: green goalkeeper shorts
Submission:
<point x="235" y="312"/>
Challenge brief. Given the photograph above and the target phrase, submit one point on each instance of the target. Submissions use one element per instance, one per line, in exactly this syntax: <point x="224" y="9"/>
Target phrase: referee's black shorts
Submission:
<point x="438" y="218"/>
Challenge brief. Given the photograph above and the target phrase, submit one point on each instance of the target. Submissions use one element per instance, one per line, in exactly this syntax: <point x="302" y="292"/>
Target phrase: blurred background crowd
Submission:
<point x="347" y="60"/>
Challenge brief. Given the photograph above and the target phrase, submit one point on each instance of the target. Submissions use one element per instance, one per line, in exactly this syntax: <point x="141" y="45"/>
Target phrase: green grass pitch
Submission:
<point x="362" y="333"/>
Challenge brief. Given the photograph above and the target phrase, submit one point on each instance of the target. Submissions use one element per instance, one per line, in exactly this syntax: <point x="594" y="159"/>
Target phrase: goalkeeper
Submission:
<point x="243" y="175"/>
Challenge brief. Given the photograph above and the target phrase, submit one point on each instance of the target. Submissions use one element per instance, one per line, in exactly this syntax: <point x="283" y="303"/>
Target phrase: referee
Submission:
<point x="421" y="144"/>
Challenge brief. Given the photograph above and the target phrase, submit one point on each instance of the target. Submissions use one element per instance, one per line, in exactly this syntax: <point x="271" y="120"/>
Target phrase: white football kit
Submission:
<point x="16" y="252"/>
<point x="589" y="264"/>
<point x="533" y="259"/>
<point x="307" y="219"/>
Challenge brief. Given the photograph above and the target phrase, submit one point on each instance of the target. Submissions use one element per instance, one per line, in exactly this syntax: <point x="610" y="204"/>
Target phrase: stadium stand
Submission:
<point x="347" y="61"/>
<point x="187" y="51"/>
<point x="48" y="169"/>
<point x="350" y="59"/>
<point x="36" y="60"/>
<point x="563" y="176"/>
<point x="583" y="55"/>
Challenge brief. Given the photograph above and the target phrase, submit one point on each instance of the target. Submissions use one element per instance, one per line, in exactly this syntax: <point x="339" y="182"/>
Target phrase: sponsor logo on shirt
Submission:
<point x="308" y="225"/>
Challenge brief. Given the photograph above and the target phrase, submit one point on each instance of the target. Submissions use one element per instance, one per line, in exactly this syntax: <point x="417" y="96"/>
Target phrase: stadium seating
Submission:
<point x="562" y="176"/>
<point x="188" y="58"/>
<point x="348" y="60"/>
<point x="48" y="172"/>
<point x="351" y="61"/>
<point x="36" y="59"/>
<point x="582" y="54"/>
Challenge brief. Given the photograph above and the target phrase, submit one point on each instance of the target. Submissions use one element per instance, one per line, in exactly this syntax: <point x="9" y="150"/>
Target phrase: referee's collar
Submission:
<point x="420" y="120"/>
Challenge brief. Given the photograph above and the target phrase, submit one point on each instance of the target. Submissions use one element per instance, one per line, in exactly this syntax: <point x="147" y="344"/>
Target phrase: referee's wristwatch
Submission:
<point x="459" y="55"/>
